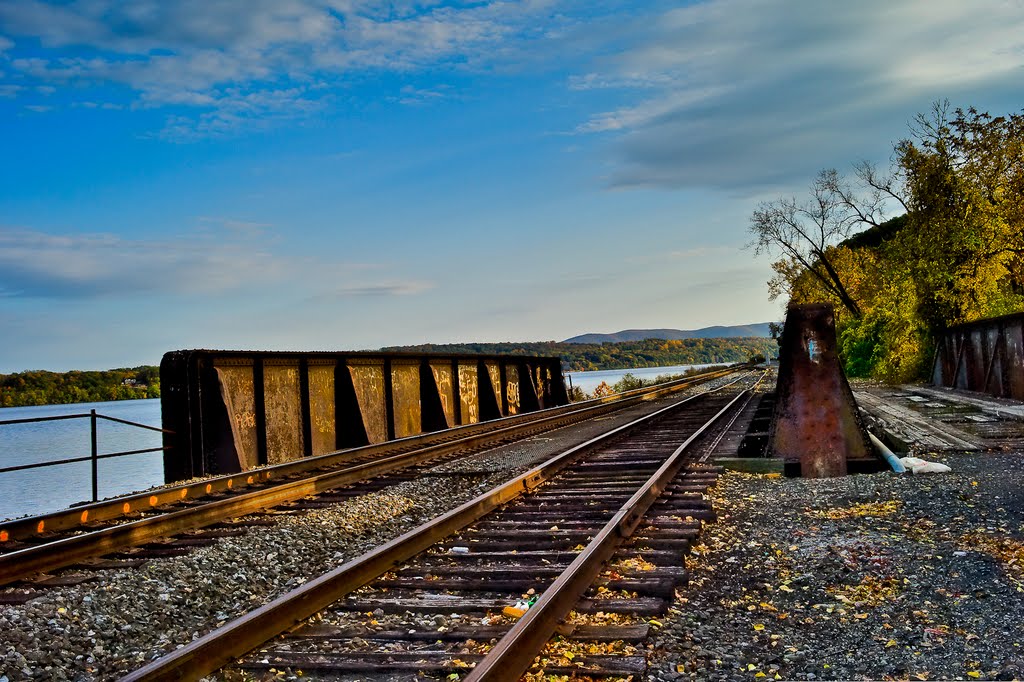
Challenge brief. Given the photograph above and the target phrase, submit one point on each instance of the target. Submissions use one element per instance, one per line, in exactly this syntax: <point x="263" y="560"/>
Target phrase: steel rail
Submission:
<point x="120" y="507"/>
<point x="721" y="434"/>
<point x="23" y="563"/>
<point x="236" y="638"/>
<point x="515" y="652"/>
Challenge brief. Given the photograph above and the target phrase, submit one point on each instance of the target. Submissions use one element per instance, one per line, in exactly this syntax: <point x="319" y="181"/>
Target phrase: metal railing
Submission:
<point x="94" y="457"/>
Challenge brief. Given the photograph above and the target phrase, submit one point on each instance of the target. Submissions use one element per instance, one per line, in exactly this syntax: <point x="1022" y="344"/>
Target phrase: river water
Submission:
<point x="38" y="491"/>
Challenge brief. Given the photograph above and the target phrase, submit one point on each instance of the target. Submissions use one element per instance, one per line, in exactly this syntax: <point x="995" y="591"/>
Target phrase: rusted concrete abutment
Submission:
<point x="815" y="426"/>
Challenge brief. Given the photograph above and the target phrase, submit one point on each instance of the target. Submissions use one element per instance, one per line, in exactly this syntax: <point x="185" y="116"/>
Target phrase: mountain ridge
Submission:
<point x="758" y="329"/>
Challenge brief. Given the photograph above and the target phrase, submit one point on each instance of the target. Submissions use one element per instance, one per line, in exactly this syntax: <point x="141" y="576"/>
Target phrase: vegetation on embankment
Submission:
<point x="954" y="254"/>
<point x="581" y="357"/>
<point x="39" y="387"/>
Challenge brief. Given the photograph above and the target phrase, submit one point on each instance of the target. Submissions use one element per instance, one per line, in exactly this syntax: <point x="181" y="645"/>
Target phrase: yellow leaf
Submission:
<point x="785" y="588"/>
<point x="891" y="643"/>
<point x="860" y="616"/>
<point x="655" y="623"/>
<point x="758" y="627"/>
<point x="751" y="666"/>
<point x="570" y="655"/>
<point x="973" y="673"/>
<point x="760" y="675"/>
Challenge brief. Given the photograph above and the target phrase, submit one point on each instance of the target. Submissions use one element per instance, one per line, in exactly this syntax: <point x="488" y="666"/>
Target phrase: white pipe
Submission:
<point x="885" y="452"/>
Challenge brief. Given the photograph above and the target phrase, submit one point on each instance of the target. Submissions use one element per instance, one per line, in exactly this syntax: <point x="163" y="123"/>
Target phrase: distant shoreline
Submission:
<point x="40" y="387"/>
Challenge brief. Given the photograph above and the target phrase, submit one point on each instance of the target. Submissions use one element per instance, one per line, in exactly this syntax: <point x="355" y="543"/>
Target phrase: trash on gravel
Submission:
<point x="923" y="466"/>
<point x="458" y="550"/>
<point x="514" y="611"/>
<point x="520" y="608"/>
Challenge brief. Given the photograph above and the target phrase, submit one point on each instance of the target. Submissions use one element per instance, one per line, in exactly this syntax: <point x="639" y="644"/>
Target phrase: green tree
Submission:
<point x="956" y="255"/>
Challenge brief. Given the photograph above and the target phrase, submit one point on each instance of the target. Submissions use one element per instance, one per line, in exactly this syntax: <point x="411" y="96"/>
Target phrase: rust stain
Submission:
<point x="815" y="421"/>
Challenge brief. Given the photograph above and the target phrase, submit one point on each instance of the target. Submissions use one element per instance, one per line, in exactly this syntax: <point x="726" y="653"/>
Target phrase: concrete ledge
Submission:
<point x="752" y="465"/>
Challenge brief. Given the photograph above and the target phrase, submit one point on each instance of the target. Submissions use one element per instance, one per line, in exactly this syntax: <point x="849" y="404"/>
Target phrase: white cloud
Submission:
<point x="226" y="255"/>
<point x="35" y="263"/>
<point x="239" y="64"/>
<point x="388" y="288"/>
<point x="734" y="93"/>
<point x="5" y="44"/>
<point x="410" y="95"/>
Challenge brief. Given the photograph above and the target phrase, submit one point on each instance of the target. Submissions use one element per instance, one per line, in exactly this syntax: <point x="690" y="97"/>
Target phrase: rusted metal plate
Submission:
<point x="405" y="382"/>
<point x="469" y="401"/>
<point x="282" y="401"/>
<point x="237" y="390"/>
<point x="986" y="356"/>
<point x="815" y="422"/>
<point x="323" y="429"/>
<point x="444" y="382"/>
<point x="368" y="381"/>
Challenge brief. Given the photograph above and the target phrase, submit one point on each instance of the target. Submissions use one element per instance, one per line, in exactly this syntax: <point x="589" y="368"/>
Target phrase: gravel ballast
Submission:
<point x="102" y="629"/>
<point x="876" y="577"/>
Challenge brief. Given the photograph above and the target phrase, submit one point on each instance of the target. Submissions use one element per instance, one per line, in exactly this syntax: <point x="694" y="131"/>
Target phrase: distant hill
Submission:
<point x="717" y="332"/>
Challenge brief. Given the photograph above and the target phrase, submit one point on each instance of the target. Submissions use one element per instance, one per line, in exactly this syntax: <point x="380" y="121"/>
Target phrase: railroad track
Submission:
<point x="599" y="529"/>
<point x="171" y="520"/>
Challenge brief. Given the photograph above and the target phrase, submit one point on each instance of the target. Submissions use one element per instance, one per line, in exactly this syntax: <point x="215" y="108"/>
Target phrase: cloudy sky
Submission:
<point x="347" y="174"/>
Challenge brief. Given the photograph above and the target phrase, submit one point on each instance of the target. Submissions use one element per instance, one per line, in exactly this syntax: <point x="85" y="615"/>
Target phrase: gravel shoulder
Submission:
<point x="102" y="629"/>
<point x="880" y="577"/>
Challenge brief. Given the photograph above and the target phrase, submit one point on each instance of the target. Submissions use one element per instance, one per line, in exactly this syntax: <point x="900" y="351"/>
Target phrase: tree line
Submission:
<point x="903" y="253"/>
<point x="624" y="355"/>
<point x="40" y="387"/>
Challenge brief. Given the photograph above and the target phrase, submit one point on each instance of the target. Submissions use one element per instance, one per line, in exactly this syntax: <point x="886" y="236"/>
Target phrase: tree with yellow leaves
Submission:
<point x="955" y="255"/>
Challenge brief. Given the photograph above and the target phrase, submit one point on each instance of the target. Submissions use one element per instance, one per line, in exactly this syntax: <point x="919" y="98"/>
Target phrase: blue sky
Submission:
<point x="347" y="174"/>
